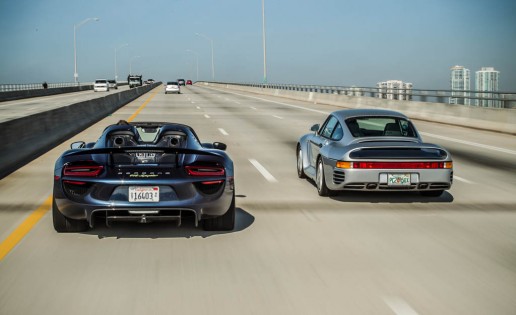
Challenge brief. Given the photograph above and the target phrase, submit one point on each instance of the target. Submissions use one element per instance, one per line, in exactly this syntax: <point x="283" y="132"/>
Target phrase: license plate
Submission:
<point x="145" y="156"/>
<point x="143" y="194"/>
<point x="398" y="179"/>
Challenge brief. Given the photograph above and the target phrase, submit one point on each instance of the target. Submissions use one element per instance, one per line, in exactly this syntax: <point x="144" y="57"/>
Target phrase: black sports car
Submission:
<point x="144" y="172"/>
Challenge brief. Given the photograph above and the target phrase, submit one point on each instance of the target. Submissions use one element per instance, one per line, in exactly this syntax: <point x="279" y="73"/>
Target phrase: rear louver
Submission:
<point x="338" y="176"/>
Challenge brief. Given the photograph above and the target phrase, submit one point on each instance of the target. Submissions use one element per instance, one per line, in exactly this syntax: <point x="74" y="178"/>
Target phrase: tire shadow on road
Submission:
<point x="156" y="230"/>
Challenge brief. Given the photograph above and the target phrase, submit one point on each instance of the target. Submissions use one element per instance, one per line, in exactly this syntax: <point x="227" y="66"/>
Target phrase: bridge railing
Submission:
<point x="38" y="86"/>
<point x="490" y="99"/>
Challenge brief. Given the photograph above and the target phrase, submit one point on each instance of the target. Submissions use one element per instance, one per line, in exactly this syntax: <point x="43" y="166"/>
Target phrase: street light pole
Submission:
<point x="196" y="61"/>
<point x="75" y="27"/>
<point x="116" y="66"/>
<point x="212" y="58"/>
<point x="264" y="44"/>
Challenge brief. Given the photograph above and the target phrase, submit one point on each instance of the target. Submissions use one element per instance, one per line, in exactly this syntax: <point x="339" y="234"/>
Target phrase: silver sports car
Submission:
<point x="375" y="150"/>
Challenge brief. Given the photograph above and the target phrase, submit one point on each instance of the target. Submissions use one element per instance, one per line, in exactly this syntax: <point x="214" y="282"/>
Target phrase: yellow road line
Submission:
<point x="26" y="226"/>
<point x="15" y="237"/>
<point x="137" y="112"/>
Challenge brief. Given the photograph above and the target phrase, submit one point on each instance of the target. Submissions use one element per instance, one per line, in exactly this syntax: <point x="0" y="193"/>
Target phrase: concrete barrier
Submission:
<point x="492" y="119"/>
<point x="26" y="138"/>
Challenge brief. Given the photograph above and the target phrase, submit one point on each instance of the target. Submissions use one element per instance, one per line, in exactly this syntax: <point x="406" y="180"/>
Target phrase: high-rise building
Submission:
<point x="487" y="81"/>
<point x="394" y="90"/>
<point x="460" y="85"/>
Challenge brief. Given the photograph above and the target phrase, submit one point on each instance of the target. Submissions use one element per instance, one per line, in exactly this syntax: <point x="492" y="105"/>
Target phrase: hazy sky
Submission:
<point x="334" y="42"/>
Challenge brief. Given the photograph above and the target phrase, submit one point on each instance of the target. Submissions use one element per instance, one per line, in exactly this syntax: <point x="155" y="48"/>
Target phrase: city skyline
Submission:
<point x="328" y="42"/>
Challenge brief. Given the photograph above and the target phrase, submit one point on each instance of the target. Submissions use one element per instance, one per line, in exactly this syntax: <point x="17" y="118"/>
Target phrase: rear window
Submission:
<point x="100" y="81"/>
<point x="171" y="83"/>
<point x="380" y="126"/>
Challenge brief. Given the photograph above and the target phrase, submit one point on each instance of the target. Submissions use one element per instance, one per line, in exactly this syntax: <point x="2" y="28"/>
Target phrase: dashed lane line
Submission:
<point x="399" y="306"/>
<point x="460" y="179"/>
<point x="268" y="176"/>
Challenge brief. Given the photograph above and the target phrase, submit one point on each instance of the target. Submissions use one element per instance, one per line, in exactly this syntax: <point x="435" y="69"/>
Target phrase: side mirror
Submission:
<point x="77" y="145"/>
<point x="315" y="128"/>
<point x="219" y="146"/>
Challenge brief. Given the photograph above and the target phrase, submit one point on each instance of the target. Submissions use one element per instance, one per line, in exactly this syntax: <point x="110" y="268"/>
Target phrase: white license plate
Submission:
<point x="145" y="156"/>
<point x="143" y="194"/>
<point x="398" y="179"/>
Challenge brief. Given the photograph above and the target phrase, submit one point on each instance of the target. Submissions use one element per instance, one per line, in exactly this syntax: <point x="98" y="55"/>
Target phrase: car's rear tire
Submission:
<point x="225" y="222"/>
<point x="320" y="181"/>
<point x="431" y="193"/>
<point x="63" y="224"/>
<point x="300" y="171"/>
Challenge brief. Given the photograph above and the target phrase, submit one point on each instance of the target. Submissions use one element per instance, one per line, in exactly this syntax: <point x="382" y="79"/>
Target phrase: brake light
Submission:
<point x="205" y="170"/>
<point x="74" y="182"/>
<point x="401" y="165"/>
<point x="83" y="170"/>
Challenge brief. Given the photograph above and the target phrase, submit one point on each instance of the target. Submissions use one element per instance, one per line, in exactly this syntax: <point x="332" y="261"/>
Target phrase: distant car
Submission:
<point x="112" y="84"/>
<point x="172" y="87"/>
<point x="188" y="82"/>
<point x="181" y="82"/>
<point x="372" y="150"/>
<point x="144" y="172"/>
<point x="101" y="86"/>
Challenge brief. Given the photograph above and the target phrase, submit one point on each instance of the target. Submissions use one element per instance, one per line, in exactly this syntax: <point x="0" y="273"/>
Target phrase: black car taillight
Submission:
<point x="86" y="169"/>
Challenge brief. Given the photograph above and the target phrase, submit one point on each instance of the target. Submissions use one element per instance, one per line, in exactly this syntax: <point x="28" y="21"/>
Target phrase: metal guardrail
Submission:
<point x="490" y="99"/>
<point x="38" y="86"/>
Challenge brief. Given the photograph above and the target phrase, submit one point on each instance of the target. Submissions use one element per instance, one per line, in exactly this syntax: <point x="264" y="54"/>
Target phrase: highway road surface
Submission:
<point x="292" y="252"/>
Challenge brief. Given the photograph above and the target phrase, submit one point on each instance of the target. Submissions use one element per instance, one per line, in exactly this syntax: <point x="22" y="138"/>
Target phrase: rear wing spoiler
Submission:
<point x="140" y="149"/>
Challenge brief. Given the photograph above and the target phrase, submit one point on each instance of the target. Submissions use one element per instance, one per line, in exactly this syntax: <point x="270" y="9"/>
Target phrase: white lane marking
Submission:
<point x="478" y="145"/>
<point x="198" y="107"/>
<point x="207" y="116"/>
<point x="309" y="216"/>
<point x="460" y="179"/>
<point x="268" y="176"/>
<point x="193" y="102"/>
<point x="253" y="107"/>
<point x="399" y="306"/>
<point x="277" y="117"/>
<point x="222" y="131"/>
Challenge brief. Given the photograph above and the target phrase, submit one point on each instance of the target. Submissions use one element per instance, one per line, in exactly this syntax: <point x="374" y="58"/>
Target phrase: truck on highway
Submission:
<point x="134" y="80"/>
